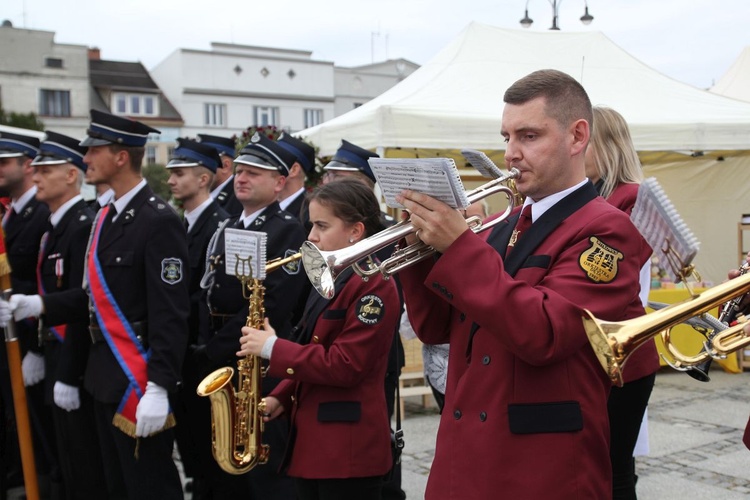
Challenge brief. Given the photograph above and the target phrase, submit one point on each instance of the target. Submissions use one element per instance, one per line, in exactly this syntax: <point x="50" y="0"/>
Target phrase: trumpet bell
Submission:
<point x="322" y="274"/>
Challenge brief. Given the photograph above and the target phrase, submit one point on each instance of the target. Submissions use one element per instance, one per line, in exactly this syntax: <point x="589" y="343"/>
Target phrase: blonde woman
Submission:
<point x="613" y="166"/>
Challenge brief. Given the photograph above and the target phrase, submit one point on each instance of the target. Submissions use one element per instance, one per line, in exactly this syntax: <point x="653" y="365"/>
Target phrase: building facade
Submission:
<point x="355" y="86"/>
<point x="221" y="91"/>
<point x="49" y="79"/>
<point x="232" y="87"/>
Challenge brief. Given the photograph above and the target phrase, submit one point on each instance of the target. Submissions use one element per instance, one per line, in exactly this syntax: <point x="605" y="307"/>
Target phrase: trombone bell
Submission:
<point x="613" y="342"/>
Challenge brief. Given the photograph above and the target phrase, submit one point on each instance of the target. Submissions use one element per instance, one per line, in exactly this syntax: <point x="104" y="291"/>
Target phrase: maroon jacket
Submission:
<point x="526" y="400"/>
<point x="645" y="360"/>
<point x="334" y="384"/>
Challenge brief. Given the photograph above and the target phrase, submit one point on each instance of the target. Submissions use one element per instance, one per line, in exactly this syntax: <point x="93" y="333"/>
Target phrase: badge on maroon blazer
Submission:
<point x="599" y="261"/>
<point x="370" y="309"/>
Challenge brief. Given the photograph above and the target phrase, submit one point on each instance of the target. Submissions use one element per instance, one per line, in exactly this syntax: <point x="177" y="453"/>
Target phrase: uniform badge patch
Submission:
<point x="291" y="267"/>
<point x="171" y="271"/>
<point x="370" y="309"/>
<point x="599" y="261"/>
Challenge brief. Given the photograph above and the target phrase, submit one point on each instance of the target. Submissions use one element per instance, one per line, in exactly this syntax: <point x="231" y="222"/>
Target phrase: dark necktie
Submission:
<point x="9" y="217"/>
<point x="523" y="223"/>
<point x="187" y="226"/>
<point x="110" y="216"/>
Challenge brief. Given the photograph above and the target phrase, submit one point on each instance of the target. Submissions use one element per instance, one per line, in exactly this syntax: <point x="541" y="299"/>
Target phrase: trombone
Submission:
<point x="323" y="267"/>
<point x="613" y="342"/>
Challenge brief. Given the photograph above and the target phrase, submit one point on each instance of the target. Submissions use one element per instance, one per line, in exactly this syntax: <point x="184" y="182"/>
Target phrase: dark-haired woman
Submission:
<point x="334" y="373"/>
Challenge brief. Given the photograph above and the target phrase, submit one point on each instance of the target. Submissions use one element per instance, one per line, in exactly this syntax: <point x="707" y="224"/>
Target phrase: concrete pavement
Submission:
<point x="695" y="435"/>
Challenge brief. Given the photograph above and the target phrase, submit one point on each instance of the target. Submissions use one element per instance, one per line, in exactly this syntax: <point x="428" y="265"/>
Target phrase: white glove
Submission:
<point x="6" y="313"/>
<point x="152" y="411"/>
<point x="66" y="396"/>
<point x="26" y="306"/>
<point x="32" y="368"/>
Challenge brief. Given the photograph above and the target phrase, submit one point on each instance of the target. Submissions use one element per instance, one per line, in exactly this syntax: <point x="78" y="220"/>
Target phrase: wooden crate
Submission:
<point x="411" y="382"/>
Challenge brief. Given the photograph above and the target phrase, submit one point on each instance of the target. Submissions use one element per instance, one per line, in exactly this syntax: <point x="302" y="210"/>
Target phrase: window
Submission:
<point x="313" y="117"/>
<point x="135" y="104"/>
<point x="54" y="102"/>
<point x="53" y="62"/>
<point x="150" y="155"/>
<point x="214" y="115"/>
<point x="266" y="115"/>
<point x="121" y="104"/>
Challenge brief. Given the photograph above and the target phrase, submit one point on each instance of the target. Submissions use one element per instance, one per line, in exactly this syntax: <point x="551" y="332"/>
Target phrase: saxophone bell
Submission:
<point x="237" y="414"/>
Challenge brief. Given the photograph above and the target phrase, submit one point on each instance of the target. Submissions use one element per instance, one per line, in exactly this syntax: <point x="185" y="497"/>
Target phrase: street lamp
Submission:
<point x="586" y="18"/>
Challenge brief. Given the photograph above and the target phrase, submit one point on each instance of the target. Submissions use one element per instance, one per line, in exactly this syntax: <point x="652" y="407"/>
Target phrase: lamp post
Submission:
<point x="586" y="18"/>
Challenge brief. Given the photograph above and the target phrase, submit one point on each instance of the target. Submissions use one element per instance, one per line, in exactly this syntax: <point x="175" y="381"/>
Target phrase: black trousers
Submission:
<point x="152" y="475"/>
<point x="81" y="461"/>
<point x="360" y="488"/>
<point x="626" y="406"/>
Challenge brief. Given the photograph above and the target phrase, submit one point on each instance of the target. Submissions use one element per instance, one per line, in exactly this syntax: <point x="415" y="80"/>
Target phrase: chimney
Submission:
<point x="94" y="54"/>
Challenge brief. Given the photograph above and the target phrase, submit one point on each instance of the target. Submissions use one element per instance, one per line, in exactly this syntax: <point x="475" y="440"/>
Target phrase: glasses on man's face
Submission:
<point x="330" y="175"/>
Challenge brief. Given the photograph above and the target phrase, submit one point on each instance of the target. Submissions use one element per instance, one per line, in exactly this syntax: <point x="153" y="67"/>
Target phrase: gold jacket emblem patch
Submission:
<point x="370" y="309"/>
<point x="599" y="261"/>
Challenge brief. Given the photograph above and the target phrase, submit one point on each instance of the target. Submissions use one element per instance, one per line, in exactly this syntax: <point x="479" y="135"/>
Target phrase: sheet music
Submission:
<point x="437" y="177"/>
<point x="661" y="226"/>
<point x="482" y="163"/>
<point x="245" y="253"/>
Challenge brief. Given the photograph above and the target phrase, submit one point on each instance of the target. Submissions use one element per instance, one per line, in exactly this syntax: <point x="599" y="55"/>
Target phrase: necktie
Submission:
<point x="523" y="223"/>
<point x="187" y="226"/>
<point x="111" y="213"/>
<point x="9" y="216"/>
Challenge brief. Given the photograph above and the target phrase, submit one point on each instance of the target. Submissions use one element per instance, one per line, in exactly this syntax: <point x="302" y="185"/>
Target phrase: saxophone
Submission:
<point x="237" y="414"/>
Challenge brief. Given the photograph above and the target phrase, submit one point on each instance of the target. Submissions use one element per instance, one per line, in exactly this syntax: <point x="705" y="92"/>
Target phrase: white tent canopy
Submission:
<point x="696" y="143"/>
<point x="455" y="100"/>
<point x="736" y="81"/>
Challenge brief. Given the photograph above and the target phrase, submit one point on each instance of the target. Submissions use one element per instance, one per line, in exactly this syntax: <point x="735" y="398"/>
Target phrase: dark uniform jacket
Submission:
<point x="62" y="268"/>
<point x="22" y="236"/>
<point x="137" y="253"/>
<point x="228" y="201"/>
<point x="295" y="207"/>
<point x="220" y="332"/>
<point x="198" y="238"/>
<point x="525" y="390"/>
<point x="334" y="387"/>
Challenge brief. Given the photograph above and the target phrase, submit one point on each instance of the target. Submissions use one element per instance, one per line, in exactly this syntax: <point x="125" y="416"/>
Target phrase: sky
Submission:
<point x="692" y="41"/>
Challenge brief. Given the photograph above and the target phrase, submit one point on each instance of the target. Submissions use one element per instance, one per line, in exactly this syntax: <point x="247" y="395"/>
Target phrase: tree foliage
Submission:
<point x="29" y="121"/>
<point x="156" y="176"/>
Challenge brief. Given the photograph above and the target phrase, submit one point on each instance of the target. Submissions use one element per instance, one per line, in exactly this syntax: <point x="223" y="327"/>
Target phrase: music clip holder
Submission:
<point x="679" y="268"/>
<point x="241" y="269"/>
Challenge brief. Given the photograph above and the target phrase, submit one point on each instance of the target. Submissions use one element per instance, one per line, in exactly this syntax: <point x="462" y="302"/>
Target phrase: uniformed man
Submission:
<point x="191" y="174"/>
<point x="104" y="195"/>
<point x="222" y="189"/>
<point x="292" y="196"/>
<point x="137" y="291"/>
<point x="58" y="176"/>
<point x="261" y="171"/>
<point x="24" y="224"/>
<point x="350" y="160"/>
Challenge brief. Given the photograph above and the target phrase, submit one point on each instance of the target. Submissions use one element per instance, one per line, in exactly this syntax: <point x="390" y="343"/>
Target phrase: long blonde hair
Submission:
<point x="613" y="152"/>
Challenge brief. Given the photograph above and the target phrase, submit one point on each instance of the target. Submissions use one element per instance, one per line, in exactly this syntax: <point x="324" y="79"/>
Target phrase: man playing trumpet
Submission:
<point x="526" y="399"/>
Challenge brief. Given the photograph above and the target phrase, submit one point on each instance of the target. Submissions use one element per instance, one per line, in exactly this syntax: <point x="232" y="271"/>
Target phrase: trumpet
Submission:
<point x="324" y="267"/>
<point x="613" y="342"/>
